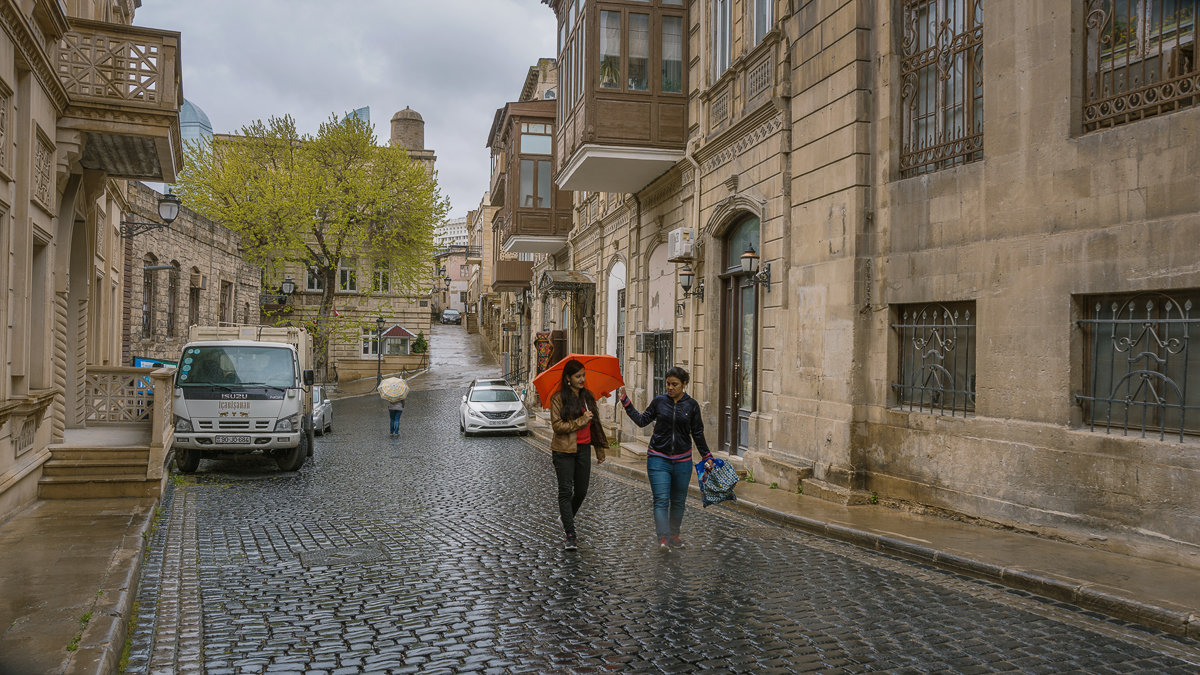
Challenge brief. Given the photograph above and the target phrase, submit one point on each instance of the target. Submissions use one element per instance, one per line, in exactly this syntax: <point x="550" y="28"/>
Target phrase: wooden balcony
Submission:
<point x="125" y="87"/>
<point x="623" y="117"/>
<point x="512" y="275"/>
<point x="122" y="449"/>
<point x="534" y="215"/>
<point x="531" y="231"/>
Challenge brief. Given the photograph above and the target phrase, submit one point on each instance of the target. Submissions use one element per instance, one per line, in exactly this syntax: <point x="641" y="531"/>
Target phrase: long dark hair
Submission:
<point x="572" y="405"/>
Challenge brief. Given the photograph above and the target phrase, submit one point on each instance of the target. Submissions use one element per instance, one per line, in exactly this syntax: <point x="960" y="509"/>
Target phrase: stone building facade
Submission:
<point x="189" y="273"/>
<point x="74" y="126"/>
<point x="971" y="295"/>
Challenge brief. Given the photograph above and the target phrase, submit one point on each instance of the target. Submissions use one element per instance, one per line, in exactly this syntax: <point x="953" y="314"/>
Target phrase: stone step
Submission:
<point x="834" y="493"/>
<point x="97" y="467"/>
<point x="72" y="453"/>
<point x="61" y="487"/>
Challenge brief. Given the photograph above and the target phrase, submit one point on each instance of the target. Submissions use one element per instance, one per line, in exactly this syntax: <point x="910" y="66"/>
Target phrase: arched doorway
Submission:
<point x="739" y="337"/>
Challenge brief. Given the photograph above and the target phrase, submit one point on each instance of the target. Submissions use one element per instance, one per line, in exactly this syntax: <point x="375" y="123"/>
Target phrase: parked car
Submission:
<point x="322" y="411"/>
<point x="488" y="408"/>
<point x="451" y="316"/>
<point x="495" y="382"/>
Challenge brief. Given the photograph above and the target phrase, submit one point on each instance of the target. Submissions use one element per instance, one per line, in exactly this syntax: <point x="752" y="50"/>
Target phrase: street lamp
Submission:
<point x="168" y="210"/>
<point x="749" y="262"/>
<point x="286" y="287"/>
<point x="378" y="351"/>
<point x="685" y="281"/>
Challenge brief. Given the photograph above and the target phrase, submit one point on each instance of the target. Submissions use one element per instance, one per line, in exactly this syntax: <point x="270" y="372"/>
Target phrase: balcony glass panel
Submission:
<point x="610" y="50"/>
<point x="639" y="52"/>
<point x="535" y="139"/>
<point x="672" y="54"/>
<point x="527" y="176"/>
<point x="543" y="182"/>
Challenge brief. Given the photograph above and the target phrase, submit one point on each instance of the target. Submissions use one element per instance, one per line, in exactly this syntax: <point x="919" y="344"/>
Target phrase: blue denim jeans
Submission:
<point x="395" y="420"/>
<point x="669" y="482"/>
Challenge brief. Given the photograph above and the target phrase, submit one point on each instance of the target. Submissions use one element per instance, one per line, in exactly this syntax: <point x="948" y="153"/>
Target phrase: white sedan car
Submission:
<point x="322" y="411"/>
<point x="492" y="408"/>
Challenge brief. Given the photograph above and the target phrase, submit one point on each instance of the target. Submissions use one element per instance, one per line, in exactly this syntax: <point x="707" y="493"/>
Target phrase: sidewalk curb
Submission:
<point x="1174" y="620"/>
<point x="103" y="641"/>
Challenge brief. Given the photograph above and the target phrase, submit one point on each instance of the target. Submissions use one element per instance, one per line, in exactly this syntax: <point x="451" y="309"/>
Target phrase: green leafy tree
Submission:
<point x="300" y="199"/>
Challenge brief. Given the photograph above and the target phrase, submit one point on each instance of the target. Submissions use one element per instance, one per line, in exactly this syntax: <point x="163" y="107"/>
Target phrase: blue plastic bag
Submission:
<point x="717" y="485"/>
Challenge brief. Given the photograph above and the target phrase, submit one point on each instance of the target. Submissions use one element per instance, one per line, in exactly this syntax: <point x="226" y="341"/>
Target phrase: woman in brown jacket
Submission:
<point x="576" y="424"/>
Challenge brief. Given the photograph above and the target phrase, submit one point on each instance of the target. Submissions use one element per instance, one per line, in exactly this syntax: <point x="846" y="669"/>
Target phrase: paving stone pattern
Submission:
<point x="435" y="553"/>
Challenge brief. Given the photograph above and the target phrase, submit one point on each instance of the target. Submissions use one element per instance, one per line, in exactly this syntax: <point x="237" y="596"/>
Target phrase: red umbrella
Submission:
<point x="603" y="376"/>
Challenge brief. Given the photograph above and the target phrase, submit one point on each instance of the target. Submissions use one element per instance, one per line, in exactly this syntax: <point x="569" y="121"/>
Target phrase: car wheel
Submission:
<point x="291" y="459"/>
<point x="187" y="461"/>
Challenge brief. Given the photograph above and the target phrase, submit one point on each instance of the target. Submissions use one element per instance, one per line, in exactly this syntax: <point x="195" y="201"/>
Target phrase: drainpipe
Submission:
<point x="690" y="156"/>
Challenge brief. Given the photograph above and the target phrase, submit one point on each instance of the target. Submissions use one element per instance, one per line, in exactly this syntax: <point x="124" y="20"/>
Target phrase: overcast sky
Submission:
<point x="453" y="61"/>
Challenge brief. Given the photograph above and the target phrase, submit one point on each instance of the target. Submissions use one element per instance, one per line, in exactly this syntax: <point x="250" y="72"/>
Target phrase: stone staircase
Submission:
<point x="108" y="463"/>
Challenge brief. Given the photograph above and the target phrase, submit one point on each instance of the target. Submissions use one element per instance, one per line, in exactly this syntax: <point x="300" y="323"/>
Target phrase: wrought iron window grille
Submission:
<point x="941" y="90"/>
<point x="936" y="368"/>
<point x="1138" y="374"/>
<point x="1140" y="60"/>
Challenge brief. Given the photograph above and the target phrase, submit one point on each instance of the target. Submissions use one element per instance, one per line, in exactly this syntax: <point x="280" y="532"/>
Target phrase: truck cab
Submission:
<point x="239" y="396"/>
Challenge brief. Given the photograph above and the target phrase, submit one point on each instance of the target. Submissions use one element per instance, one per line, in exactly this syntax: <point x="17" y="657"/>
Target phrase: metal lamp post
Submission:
<point x="378" y="351"/>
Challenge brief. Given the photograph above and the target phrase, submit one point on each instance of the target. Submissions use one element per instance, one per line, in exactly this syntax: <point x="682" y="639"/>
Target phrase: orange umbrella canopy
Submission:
<point x="603" y="376"/>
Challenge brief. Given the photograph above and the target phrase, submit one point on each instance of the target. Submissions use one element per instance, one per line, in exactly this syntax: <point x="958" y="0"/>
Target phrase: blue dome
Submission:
<point x="193" y="123"/>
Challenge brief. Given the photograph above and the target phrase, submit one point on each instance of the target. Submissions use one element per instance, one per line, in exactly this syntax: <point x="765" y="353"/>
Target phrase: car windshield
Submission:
<point x="451" y="312"/>
<point x="493" y="395"/>
<point x="221" y="365"/>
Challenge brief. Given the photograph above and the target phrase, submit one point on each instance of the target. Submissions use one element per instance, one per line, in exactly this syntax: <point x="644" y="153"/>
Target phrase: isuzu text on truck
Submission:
<point x="241" y="389"/>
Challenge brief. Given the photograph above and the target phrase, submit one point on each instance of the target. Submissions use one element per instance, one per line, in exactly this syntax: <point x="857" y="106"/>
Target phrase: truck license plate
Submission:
<point x="233" y="439"/>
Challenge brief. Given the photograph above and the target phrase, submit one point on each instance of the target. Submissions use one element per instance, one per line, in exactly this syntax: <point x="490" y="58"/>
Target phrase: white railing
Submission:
<point x="136" y="397"/>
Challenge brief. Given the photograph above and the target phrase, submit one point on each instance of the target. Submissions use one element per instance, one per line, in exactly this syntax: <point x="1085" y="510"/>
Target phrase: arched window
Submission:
<point x="148" y="292"/>
<point x="172" y="297"/>
<point x="195" y="285"/>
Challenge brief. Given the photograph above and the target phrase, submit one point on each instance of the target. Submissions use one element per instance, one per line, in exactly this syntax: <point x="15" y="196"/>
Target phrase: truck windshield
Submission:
<point x="270" y="366"/>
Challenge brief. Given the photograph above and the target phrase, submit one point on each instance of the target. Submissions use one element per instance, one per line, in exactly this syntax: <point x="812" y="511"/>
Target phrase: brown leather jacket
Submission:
<point x="564" y="430"/>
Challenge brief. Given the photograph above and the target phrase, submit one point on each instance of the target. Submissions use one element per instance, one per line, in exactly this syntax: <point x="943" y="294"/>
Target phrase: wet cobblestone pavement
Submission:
<point x="435" y="553"/>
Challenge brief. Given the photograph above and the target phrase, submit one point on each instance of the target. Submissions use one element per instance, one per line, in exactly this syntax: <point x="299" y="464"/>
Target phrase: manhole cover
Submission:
<point x="339" y="556"/>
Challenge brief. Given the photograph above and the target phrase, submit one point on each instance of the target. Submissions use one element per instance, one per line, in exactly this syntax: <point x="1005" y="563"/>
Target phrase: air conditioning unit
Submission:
<point x="681" y="245"/>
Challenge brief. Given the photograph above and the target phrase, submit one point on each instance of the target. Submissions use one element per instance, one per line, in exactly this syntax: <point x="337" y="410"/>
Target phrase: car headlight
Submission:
<point x="474" y="413"/>
<point x="290" y="423"/>
<point x="182" y="424"/>
<point x="519" y="413"/>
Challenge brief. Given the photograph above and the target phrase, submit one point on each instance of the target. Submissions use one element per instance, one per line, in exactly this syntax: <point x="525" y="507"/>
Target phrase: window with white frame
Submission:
<point x="370" y="342"/>
<point x="762" y="18"/>
<point x="397" y="346"/>
<point x="380" y="277"/>
<point x="348" y="274"/>
<point x="314" y="281"/>
<point x="722" y="48"/>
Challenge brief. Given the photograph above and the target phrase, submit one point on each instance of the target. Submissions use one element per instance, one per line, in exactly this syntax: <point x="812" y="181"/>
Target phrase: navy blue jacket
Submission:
<point x="676" y="425"/>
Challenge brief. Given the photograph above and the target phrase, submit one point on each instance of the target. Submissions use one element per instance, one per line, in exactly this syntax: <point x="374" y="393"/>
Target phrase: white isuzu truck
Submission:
<point x="241" y="389"/>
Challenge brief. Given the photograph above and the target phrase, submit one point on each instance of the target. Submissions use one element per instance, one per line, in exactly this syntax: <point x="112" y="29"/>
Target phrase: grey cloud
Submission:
<point x="453" y="61"/>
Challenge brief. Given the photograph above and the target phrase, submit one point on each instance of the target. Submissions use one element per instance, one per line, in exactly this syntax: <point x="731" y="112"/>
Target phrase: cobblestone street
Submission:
<point x="438" y="553"/>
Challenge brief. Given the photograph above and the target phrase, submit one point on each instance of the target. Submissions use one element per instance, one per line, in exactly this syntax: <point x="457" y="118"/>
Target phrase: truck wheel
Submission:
<point x="187" y="461"/>
<point x="292" y="459"/>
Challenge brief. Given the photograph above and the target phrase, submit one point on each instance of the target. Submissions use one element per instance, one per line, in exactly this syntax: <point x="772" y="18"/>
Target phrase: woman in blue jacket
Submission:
<point x="677" y="424"/>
